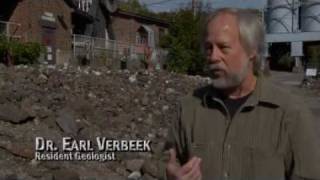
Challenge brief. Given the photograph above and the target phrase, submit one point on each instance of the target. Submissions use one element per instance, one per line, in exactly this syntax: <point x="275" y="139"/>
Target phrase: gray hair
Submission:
<point x="251" y="31"/>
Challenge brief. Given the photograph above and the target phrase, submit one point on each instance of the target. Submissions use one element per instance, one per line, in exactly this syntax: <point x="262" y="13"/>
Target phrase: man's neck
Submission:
<point x="245" y="88"/>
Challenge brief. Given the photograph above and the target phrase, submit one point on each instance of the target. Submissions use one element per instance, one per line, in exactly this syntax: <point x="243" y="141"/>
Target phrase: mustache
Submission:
<point x="215" y="67"/>
<point x="211" y="68"/>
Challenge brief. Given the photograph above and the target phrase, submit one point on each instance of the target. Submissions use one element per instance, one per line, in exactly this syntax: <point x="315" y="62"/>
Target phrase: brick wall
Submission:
<point x="28" y="13"/>
<point x="125" y="28"/>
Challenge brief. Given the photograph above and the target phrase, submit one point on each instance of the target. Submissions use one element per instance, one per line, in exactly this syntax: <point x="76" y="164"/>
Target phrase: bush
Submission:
<point x="286" y="61"/>
<point x="22" y="53"/>
<point x="31" y="52"/>
<point x="4" y="45"/>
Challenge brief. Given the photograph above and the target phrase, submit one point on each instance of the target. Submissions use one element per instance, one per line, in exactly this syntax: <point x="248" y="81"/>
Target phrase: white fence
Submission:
<point x="10" y="29"/>
<point x="98" y="51"/>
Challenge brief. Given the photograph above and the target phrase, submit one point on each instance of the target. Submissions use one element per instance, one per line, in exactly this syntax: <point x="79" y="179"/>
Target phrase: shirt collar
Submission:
<point x="264" y="93"/>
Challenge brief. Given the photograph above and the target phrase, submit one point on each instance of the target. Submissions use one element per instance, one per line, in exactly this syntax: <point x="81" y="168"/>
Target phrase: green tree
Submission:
<point x="166" y="16"/>
<point x="184" y="43"/>
<point x="136" y="7"/>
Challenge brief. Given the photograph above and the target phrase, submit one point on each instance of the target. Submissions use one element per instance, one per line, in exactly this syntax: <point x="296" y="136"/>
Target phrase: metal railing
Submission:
<point x="89" y="50"/>
<point x="10" y="29"/>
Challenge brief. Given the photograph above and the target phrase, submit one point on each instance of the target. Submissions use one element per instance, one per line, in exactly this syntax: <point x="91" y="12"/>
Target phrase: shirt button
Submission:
<point x="226" y="174"/>
<point x="229" y="146"/>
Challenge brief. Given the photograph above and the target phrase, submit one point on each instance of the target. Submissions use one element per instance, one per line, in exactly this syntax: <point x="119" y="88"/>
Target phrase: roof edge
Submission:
<point x="139" y="16"/>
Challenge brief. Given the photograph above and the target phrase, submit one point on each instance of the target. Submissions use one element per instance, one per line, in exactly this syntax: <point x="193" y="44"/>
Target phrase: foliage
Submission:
<point x="314" y="56"/>
<point x="183" y="40"/>
<point x="166" y="16"/>
<point x="22" y="53"/>
<point x="286" y="61"/>
<point x="184" y="43"/>
<point x="136" y="7"/>
<point x="30" y="53"/>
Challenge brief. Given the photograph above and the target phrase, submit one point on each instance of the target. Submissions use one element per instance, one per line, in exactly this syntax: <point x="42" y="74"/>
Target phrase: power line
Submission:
<point x="160" y="2"/>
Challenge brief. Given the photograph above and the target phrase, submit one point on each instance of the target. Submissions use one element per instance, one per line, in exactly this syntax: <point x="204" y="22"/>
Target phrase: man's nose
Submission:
<point x="215" y="56"/>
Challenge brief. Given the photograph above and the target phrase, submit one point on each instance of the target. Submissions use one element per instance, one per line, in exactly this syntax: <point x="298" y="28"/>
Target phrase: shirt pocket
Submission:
<point x="205" y="151"/>
<point x="264" y="163"/>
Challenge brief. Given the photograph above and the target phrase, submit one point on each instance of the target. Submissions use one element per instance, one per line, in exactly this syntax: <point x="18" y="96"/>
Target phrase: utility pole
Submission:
<point x="194" y="7"/>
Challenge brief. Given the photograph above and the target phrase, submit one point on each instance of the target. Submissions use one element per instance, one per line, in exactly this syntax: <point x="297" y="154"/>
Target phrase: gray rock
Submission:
<point x="158" y="148"/>
<point x="150" y="167"/>
<point x="136" y="175"/>
<point x="122" y="171"/>
<point x="18" y="149"/>
<point x="134" y="164"/>
<point x="3" y="67"/>
<point x="110" y="177"/>
<point x="12" y="113"/>
<point x="11" y="177"/>
<point x="148" y="177"/>
<point x="42" y="78"/>
<point x="67" y="122"/>
<point x="170" y="91"/>
<point x="165" y="108"/>
<point x="88" y="104"/>
<point x="145" y="101"/>
<point x="133" y="78"/>
<point x="65" y="174"/>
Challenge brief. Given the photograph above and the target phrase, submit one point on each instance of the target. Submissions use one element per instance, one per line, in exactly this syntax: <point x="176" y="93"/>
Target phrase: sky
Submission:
<point x="171" y="5"/>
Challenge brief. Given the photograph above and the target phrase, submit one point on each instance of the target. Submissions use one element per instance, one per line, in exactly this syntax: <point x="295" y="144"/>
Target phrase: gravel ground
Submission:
<point x="55" y="102"/>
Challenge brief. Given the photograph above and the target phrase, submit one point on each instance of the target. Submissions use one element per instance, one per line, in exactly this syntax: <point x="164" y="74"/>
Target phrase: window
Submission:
<point x="84" y="5"/>
<point x="142" y="36"/>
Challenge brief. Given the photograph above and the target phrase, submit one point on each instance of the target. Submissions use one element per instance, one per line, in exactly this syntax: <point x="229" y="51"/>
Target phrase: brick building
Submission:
<point x="56" y="23"/>
<point x="47" y="22"/>
<point x="142" y="31"/>
<point x="134" y="28"/>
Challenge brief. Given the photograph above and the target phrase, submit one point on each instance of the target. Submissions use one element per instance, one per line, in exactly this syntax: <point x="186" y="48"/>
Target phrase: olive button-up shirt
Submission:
<point x="270" y="137"/>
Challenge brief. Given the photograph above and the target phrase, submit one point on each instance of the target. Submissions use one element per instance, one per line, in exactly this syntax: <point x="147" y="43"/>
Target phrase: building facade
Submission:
<point x="85" y="29"/>
<point x="144" y="33"/>
<point x="46" y="22"/>
<point x="293" y="27"/>
<point x="135" y="28"/>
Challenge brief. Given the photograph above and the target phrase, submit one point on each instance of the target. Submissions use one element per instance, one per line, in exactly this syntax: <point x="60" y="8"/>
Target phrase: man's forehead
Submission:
<point x="223" y="23"/>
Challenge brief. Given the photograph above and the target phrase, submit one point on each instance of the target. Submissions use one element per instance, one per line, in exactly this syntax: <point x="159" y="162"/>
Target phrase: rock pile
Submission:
<point x="83" y="103"/>
<point x="311" y="84"/>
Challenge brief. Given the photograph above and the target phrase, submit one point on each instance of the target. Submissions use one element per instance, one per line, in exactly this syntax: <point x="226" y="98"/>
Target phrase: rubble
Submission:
<point x="11" y="113"/>
<point x="84" y="103"/>
<point x="312" y="84"/>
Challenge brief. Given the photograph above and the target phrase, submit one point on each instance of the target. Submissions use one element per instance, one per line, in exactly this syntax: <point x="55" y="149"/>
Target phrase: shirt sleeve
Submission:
<point x="304" y="142"/>
<point x="178" y="136"/>
<point x="177" y="139"/>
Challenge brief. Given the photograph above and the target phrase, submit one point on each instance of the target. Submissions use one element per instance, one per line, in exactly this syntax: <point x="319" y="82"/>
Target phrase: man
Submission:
<point x="241" y="127"/>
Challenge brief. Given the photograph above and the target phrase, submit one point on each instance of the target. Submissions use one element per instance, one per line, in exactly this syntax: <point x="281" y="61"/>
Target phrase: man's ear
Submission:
<point x="253" y="56"/>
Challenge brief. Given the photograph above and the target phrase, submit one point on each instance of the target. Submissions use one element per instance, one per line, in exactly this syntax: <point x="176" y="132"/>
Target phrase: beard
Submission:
<point x="228" y="79"/>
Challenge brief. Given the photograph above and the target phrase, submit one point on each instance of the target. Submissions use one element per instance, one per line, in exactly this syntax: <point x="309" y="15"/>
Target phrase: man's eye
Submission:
<point x="208" y="46"/>
<point x="225" y="48"/>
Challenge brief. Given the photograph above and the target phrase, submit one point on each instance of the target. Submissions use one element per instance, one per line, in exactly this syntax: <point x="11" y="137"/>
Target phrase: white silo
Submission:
<point x="282" y="16"/>
<point x="310" y="15"/>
